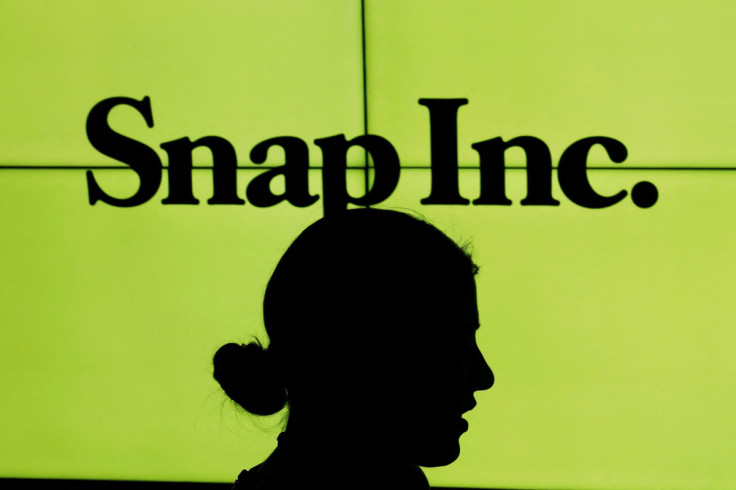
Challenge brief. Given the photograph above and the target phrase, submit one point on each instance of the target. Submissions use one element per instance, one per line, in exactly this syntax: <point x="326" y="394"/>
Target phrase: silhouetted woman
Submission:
<point x="371" y="317"/>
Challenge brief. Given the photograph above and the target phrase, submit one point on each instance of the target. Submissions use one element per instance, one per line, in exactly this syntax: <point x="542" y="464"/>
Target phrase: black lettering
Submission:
<point x="224" y="171"/>
<point x="295" y="171"/>
<point x="493" y="168"/>
<point x="142" y="159"/>
<point x="334" y="167"/>
<point x="443" y="142"/>
<point x="573" y="176"/>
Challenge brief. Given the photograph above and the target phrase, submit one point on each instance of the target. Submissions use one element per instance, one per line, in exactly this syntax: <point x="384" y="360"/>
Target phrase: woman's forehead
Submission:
<point x="450" y="309"/>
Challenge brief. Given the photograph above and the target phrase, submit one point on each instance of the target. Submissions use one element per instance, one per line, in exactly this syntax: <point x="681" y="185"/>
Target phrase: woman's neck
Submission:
<point x="349" y="457"/>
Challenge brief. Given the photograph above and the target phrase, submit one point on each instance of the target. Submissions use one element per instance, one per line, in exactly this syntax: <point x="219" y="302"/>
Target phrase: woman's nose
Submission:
<point x="484" y="377"/>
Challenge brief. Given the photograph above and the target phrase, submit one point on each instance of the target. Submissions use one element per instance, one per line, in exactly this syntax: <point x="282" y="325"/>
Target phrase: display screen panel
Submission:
<point x="609" y="328"/>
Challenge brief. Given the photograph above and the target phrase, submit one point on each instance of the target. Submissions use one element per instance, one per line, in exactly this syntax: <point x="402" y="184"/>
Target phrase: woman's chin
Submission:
<point x="439" y="448"/>
<point x="439" y="456"/>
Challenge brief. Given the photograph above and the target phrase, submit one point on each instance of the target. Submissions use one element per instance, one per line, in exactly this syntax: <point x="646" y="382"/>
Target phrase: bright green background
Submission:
<point x="610" y="331"/>
<point x="245" y="71"/>
<point x="657" y="75"/>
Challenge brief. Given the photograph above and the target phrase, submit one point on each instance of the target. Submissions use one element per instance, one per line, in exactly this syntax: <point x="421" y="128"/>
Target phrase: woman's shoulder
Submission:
<point x="287" y="468"/>
<point x="250" y="479"/>
<point x="267" y="475"/>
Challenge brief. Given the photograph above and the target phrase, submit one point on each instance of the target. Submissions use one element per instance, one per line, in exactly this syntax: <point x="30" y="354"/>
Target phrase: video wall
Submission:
<point x="609" y="326"/>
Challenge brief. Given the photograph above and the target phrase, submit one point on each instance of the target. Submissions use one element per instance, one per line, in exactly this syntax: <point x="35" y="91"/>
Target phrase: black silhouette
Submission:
<point x="371" y="316"/>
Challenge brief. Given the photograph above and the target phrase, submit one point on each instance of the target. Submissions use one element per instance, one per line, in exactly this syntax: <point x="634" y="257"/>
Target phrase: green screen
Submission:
<point x="610" y="331"/>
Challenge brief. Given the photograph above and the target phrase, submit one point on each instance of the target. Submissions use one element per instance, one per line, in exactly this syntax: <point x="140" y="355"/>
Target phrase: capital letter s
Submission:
<point x="140" y="157"/>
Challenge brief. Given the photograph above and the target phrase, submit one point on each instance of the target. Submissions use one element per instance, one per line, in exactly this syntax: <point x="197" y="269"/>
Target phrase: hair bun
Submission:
<point x="248" y="376"/>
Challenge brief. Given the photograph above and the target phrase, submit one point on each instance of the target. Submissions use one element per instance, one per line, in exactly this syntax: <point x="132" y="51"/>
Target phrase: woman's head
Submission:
<point x="373" y="310"/>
